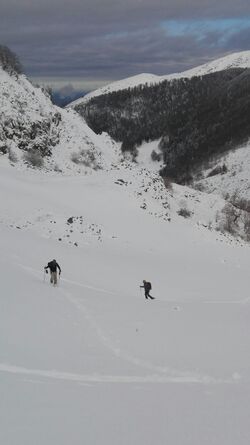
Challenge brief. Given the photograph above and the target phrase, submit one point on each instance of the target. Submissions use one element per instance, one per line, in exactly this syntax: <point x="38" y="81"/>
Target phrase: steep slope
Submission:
<point x="235" y="60"/>
<point x="35" y="132"/>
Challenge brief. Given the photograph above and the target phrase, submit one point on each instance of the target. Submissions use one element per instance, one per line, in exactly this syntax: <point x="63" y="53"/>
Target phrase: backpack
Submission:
<point x="149" y="287"/>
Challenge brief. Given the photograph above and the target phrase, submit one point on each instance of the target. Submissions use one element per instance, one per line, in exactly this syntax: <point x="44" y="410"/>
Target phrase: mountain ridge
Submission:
<point x="236" y="60"/>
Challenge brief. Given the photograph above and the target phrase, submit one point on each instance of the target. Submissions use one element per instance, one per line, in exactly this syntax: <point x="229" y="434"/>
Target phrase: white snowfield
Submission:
<point x="91" y="361"/>
<point x="235" y="60"/>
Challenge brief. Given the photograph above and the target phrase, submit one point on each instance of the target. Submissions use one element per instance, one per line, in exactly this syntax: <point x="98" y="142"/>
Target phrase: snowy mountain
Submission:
<point x="36" y="132"/>
<point x="195" y="119"/>
<point x="91" y="361"/>
<point x="198" y="118"/>
<point x="235" y="60"/>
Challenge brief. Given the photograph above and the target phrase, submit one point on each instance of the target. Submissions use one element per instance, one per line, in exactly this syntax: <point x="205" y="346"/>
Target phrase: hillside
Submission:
<point x="227" y="175"/>
<point x="35" y="132"/>
<point x="195" y="116"/>
<point x="38" y="135"/>
<point x="90" y="360"/>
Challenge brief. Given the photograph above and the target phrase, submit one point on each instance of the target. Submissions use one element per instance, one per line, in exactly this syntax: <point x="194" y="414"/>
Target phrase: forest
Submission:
<point x="194" y="118"/>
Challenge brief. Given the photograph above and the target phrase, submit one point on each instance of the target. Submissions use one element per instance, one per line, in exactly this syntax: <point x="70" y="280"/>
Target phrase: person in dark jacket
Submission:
<point x="53" y="266"/>
<point x="147" y="288"/>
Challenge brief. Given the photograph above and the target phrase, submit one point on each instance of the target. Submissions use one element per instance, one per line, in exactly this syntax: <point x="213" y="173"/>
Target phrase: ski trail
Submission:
<point x="109" y="344"/>
<point x="170" y="374"/>
<point x="98" y="378"/>
<point x="87" y="286"/>
<point x="38" y="274"/>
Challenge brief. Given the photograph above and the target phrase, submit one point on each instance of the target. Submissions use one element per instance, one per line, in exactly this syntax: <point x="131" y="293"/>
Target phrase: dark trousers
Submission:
<point x="147" y="295"/>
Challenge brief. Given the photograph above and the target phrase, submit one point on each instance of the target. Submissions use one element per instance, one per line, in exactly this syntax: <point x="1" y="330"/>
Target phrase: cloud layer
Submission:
<point x="103" y="40"/>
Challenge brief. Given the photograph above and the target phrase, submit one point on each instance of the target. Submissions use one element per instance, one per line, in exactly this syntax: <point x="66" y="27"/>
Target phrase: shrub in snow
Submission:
<point x="184" y="212"/>
<point x="86" y="158"/>
<point x="12" y="156"/>
<point x="33" y="158"/>
<point x="168" y="183"/>
<point x="156" y="156"/>
<point x="3" y="149"/>
<point x="240" y="203"/>
<point x="57" y="168"/>
<point x="218" y="170"/>
<point x="200" y="187"/>
<point x="246" y="222"/>
<point x="228" y="221"/>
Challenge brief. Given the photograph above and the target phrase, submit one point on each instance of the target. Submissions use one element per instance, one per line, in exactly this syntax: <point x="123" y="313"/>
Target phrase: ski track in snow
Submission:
<point x="86" y="286"/>
<point x="97" y="378"/>
<point x="160" y="374"/>
<point x="109" y="344"/>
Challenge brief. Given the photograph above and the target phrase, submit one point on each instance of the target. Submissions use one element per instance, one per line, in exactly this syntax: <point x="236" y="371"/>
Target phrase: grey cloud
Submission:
<point x="32" y="16"/>
<point x="111" y="39"/>
<point x="117" y="57"/>
<point x="105" y="10"/>
<point x="239" y="41"/>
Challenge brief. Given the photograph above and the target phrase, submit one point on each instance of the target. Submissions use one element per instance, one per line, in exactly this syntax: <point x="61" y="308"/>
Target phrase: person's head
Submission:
<point x="144" y="281"/>
<point x="54" y="261"/>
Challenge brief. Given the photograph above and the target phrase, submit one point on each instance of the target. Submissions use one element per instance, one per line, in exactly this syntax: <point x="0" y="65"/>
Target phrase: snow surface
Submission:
<point x="91" y="361"/>
<point x="235" y="60"/>
<point x="235" y="181"/>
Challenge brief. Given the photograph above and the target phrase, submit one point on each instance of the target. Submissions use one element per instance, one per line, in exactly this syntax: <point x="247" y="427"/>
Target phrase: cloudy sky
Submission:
<point x="89" y="43"/>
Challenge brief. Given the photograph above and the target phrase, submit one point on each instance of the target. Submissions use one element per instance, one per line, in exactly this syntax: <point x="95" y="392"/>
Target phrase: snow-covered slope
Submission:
<point x="30" y="122"/>
<point x="129" y="82"/>
<point x="235" y="60"/>
<point x="92" y="361"/>
<point x="228" y="175"/>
